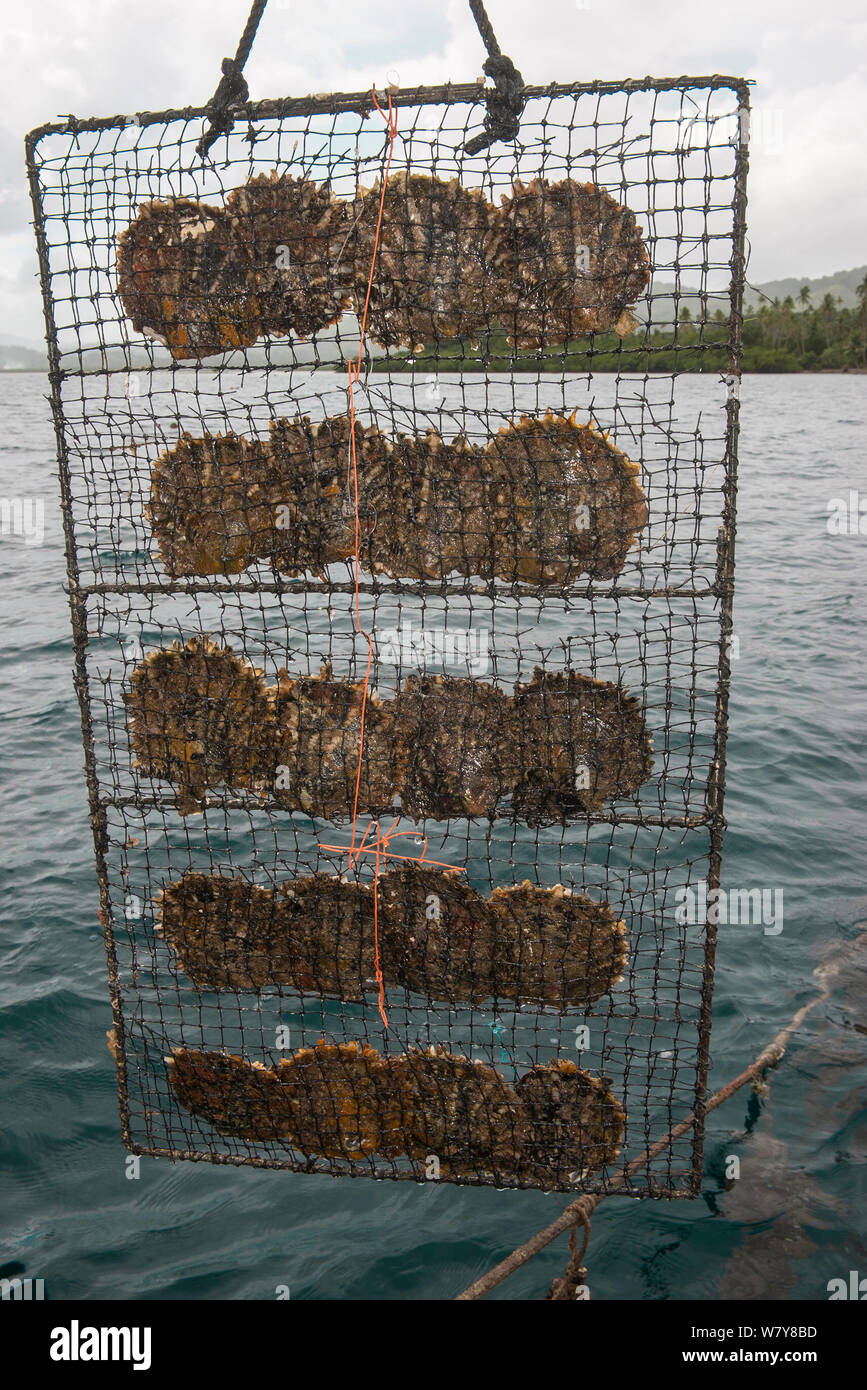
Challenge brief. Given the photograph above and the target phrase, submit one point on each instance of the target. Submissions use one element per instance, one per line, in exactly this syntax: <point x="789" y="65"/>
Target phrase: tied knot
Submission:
<point x="232" y="92"/>
<point x="505" y="102"/>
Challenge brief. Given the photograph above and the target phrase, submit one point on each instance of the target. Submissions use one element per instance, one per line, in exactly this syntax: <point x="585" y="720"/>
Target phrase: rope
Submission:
<point x="505" y="101"/>
<point x="578" y="1213"/>
<point x="379" y="845"/>
<point x="489" y="38"/>
<point x="232" y="90"/>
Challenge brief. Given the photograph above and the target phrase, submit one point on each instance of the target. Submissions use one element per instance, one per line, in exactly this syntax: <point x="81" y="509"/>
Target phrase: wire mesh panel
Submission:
<point x="491" y="603"/>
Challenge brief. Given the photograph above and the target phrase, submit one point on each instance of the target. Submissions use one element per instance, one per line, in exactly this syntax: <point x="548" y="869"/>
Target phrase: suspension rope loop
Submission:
<point x="505" y="101"/>
<point x="232" y="90"/>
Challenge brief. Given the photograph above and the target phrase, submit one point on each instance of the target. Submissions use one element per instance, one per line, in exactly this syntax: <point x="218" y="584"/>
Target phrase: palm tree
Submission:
<point x="828" y="308"/>
<point x="788" y="317"/>
<point x="804" y="296"/>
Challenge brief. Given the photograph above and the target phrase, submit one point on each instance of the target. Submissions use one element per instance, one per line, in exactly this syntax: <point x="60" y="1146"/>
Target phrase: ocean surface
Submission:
<point x="797" y="810"/>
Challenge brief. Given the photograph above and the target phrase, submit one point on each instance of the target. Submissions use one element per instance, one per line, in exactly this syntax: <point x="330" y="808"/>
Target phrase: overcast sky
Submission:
<point x="808" y="190"/>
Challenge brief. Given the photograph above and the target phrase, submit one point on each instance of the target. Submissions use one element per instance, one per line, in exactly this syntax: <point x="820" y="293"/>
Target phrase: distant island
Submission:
<point x="792" y="334"/>
<point x="817" y="326"/>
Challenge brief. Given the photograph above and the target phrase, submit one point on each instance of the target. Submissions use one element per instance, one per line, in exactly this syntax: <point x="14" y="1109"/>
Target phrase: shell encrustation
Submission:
<point x="202" y="718"/>
<point x="347" y="1101"/>
<point x="545" y="501"/>
<point x="438" y="937"/>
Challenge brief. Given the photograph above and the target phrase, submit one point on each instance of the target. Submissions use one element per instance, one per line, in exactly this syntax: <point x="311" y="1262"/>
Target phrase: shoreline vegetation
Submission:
<point x="781" y="336"/>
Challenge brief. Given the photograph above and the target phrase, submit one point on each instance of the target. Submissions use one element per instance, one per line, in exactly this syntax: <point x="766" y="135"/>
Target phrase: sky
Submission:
<point x="808" y="191"/>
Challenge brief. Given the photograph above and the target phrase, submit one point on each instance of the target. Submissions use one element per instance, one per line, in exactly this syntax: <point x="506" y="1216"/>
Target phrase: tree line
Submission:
<point x="782" y="335"/>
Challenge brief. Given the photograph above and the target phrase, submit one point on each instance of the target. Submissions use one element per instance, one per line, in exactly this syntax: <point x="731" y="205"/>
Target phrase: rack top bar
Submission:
<point x="449" y="93"/>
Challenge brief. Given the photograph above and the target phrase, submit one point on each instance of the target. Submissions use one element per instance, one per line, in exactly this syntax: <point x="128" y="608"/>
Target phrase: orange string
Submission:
<point x="379" y="846"/>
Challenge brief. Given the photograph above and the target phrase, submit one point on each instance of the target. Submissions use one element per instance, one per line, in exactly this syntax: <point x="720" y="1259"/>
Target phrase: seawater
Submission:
<point x="796" y="808"/>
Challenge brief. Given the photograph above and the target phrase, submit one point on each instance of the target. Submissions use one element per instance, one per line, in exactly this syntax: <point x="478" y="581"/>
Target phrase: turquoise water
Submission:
<point x="796" y="808"/>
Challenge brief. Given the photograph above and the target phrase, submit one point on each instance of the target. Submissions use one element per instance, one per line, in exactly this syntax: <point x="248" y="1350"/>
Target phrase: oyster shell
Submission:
<point x="563" y="744"/>
<point x="570" y="262"/>
<point x="237" y="1097"/>
<point x="183" y="278"/>
<point x="561" y="501"/>
<point x="460" y="1111"/>
<point x="200" y="717"/>
<point x="345" y="1100"/>
<point x="292" y="237"/>
<point x="574" y="1122"/>
<point x="576" y="744"/>
<point x="432" y="275"/>
<point x="546" y="501"/>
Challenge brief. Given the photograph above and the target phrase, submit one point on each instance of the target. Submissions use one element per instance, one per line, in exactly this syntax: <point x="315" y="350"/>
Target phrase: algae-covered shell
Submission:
<point x="555" y="948"/>
<point x="579" y="743"/>
<point x="451" y="733"/>
<point x="432" y="274"/>
<point x="437" y="936"/>
<point x="570" y="262"/>
<point x="575" y="1122"/>
<point x="183" y="279"/>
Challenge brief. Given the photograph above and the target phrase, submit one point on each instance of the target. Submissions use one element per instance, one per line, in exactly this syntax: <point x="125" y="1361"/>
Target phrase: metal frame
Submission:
<point x="712" y="815"/>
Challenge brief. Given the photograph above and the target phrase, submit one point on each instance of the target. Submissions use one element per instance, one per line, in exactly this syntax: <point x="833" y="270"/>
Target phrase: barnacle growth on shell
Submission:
<point x="546" y="501"/>
<point x="438" y="937"/>
<point x="570" y="261"/>
<point x="563" y="744"/>
<point x="292" y="235"/>
<point x="575" y="1123"/>
<point x="432" y="274"/>
<point x="347" y="1101"/>
<point x="183" y="278"/>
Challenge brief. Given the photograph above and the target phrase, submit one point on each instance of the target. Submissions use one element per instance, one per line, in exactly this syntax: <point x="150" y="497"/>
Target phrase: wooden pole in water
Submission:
<point x="578" y="1213"/>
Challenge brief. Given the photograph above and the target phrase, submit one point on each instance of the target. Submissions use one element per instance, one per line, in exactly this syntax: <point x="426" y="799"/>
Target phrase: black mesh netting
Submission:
<point x="544" y="448"/>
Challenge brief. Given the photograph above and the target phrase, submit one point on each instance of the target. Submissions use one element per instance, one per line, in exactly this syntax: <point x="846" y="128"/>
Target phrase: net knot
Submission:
<point x="505" y="102"/>
<point x="231" y="94"/>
